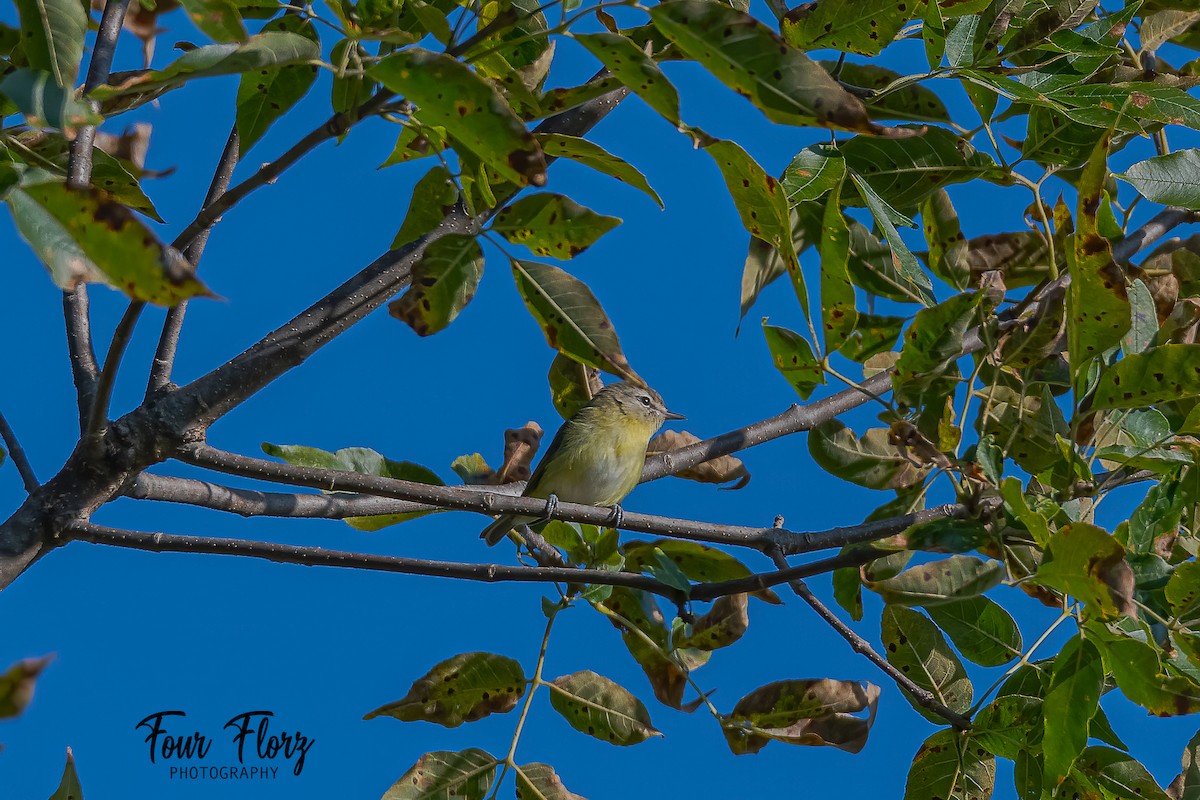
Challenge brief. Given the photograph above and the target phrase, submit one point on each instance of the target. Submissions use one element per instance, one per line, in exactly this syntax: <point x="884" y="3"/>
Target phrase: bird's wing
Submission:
<point x="564" y="433"/>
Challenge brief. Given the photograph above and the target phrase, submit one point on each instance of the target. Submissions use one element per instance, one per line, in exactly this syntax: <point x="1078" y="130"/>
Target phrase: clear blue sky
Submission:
<point x="134" y="633"/>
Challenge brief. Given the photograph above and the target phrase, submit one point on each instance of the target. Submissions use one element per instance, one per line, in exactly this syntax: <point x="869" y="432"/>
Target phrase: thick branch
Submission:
<point x="860" y="645"/>
<point x="17" y="454"/>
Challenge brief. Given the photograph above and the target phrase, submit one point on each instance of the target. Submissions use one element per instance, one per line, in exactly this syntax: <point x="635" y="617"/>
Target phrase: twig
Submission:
<point x="84" y="370"/>
<point x="98" y="419"/>
<point x="860" y="645"/>
<point x="17" y="454"/>
<point x="765" y="580"/>
<point x="168" y="341"/>
<point x="324" y="557"/>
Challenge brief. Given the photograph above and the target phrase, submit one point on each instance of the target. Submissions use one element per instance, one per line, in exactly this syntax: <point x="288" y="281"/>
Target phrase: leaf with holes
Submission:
<point x="870" y="461"/>
<point x="444" y="280"/>
<point x="571" y="317"/>
<point x="950" y="766"/>
<point x="937" y="582"/>
<point x="464" y="688"/>
<point x="631" y="66"/>
<point x="465" y="775"/>
<point x="552" y="225"/>
<point x="816" y="712"/>
<point x="265" y="95"/>
<point x="599" y="707"/>
<point x="450" y="95"/>
<point x="52" y="34"/>
<point x="917" y="648"/>
<point x="864" y="27"/>
<point x="741" y="52"/>
<point x="559" y="145"/>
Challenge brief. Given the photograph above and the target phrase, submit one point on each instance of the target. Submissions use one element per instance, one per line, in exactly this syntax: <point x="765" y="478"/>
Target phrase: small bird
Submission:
<point x="597" y="455"/>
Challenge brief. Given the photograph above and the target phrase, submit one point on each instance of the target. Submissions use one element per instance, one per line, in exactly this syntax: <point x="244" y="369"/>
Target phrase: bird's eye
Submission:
<point x="645" y="401"/>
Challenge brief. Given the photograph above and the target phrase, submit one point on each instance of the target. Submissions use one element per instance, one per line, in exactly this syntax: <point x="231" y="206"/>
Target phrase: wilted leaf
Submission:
<point x="598" y="707"/>
<point x="632" y="67"/>
<point x="443" y="774"/>
<point x="444" y="280"/>
<point x="936" y="582"/>
<point x="1071" y="702"/>
<point x="720" y="626"/>
<point x="559" y="145"/>
<point x="17" y="685"/>
<point x="552" y="225"/>
<point x="916" y="647"/>
<point x="571" y="317"/>
<point x="520" y="446"/>
<point x="461" y="689"/>
<point x="870" y="461"/>
<point x="722" y="469"/>
<point x="948" y="765"/>
<point x="818" y="712"/>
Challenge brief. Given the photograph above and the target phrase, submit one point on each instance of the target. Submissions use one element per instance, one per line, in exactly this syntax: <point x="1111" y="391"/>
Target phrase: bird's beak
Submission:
<point x="672" y="415"/>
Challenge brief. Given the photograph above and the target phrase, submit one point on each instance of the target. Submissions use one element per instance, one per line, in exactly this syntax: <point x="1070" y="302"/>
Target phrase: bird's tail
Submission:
<point x="500" y="528"/>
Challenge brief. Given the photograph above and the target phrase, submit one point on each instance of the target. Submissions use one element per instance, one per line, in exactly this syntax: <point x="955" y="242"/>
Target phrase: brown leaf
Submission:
<point x="1119" y="578"/>
<point x="816" y="712"/>
<point x="132" y="145"/>
<point x="717" y="470"/>
<point x="16" y="685"/>
<point x="520" y="446"/>
<point x="724" y="624"/>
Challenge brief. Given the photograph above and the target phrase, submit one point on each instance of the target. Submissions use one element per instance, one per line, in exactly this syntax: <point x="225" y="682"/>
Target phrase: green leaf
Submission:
<point x="906" y="171"/>
<point x="115" y="176"/>
<point x="916" y="647"/>
<point x="267" y="94"/>
<point x="444" y="280"/>
<point x="1054" y="139"/>
<point x="1006" y="726"/>
<point x="1173" y="179"/>
<point x="568" y="97"/>
<point x="1189" y="779"/>
<point x="793" y="357"/>
<point x="946" y="581"/>
<point x="69" y="787"/>
<point x="802" y="712"/>
<point x="1159" y="514"/>
<point x="525" y="40"/>
<point x="464" y="688"/>
<point x="813" y="173"/>
<point x="443" y="774"/>
<point x="1183" y="592"/>
<point x="871" y="461"/>
<point x="570" y="385"/>
<point x="217" y="19"/>
<point x="1071" y="702"/>
<point x="1162" y="373"/>
<point x="949" y="766"/>
<point x="598" y="707"/>
<point x="452" y="96"/>
<point x="907" y="269"/>
<point x="1143" y="328"/>
<point x="699" y="562"/>
<point x="1016" y="505"/>
<point x="433" y="197"/>
<point x="1080" y="557"/>
<point x="43" y="102"/>
<point x="932" y="344"/>
<point x="1137" y="666"/>
<point x="1031" y="422"/>
<point x="571" y="317"/>
<point x="949" y="252"/>
<point x="864" y="27"/>
<point x="645" y="633"/>
<point x="981" y="630"/>
<point x="559" y="145"/>
<point x="839" y="314"/>
<point x="630" y="65"/>
<point x="262" y="51"/>
<point x="540" y="782"/>
<point x="873" y="334"/>
<point x="1118" y="774"/>
<point x="847" y="591"/>
<point x="472" y="468"/>
<point x="85" y="235"/>
<point x="912" y="102"/>
<point x="764" y="263"/>
<point x="52" y="34"/>
<point x="17" y="685"/>
<point x="351" y="87"/>
<point x="786" y="85"/>
<point x="552" y="225"/>
<point x="416" y="142"/>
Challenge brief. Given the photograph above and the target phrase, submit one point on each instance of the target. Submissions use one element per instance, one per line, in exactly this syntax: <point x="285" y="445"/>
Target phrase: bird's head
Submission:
<point x="639" y="402"/>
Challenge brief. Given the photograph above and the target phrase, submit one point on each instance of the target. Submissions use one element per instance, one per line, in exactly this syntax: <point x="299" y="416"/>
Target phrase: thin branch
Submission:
<point x="860" y="645"/>
<point x="98" y="419"/>
<point x="168" y="341"/>
<point x="84" y="370"/>
<point x="753" y="583"/>
<point x="17" y="454"/>
<point x="324" y="557"/>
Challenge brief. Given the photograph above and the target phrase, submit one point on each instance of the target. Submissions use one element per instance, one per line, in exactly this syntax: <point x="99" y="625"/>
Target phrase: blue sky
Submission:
<point x="134" y="633"/>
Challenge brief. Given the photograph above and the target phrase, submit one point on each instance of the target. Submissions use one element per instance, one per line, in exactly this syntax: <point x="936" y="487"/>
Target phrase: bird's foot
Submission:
<point x="617" y="517"/>
<point x="551" y="507"/>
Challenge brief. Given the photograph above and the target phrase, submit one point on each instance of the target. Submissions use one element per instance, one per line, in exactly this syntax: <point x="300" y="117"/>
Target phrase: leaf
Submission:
<point x="450" y="95"/>
<point x="864" y="27"/>
<point x="598" y="707"/>
<point x="630" y="65"/>
<point x="1188" y="781"/>
<point x="559" y="145"/>
<point x="946" y="581"/>
<point x="1160" y="374"/>
<point x="870" y="461"/>
<point x="262" y="51"/>
<point x="1137" y="667"/>
<point x="794" y="358"/>
<point x="873" y="335"/>
<point x="69" y="787"/>
<point x="267" y="94"/>
<point x="116" y="176"/>
<point x="433" y="197"/>
<point x="814" y="171"/>
<point x="817" y="712"/>
<point x="1173" y="179"/>
<point x="948" y="250"/>
<point x="906" y="171"/>
<point x="645" y="633"/>
<point x="1161" y="26"/>
<point x="443" y="774"/>
<point x="351" y="86"/>
<point x="17" y="685"/>
<point x="932" y="344"/>
<point x="540" y="782"/>
<point x="1118" y="774"/>
<point x="905" y="102"/>
<point x="720" y="626"/>
<point x="839" y="314"/>
<point x="571" y="317"/>
<point x="572" y="384"/>
<point x="1071" y="702"/>
<point x="464" y="688"/>
<point x="764" y="263"/>
<point x="444" y="280"/>
<point x="782" y="82"/>
<point x="722" y="469"/>
<point x="1032" y="423"/>
<point x="1009" y="725"/>
<point x="473" y="469"/>
<point x="1143" y="326"/>
<point x="416" y="142"/>
<point x="85" y="235"/>
<point x="1054" y="139"/>
<point x="699" y="562"/>
<point x="552" y="225"/>
<point x="217" y="19"/>
<point x="916" y="647"/>
<point x="905" y="263"/>
<point x="1080" y="556"/>
<point x="52" y="34"/>
<point x="948" y="766"/>
<point x="43" y="102"/>
<point x="1158" y="515"/>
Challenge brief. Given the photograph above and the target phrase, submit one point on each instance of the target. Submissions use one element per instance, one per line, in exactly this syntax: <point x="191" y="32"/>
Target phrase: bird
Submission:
<point x="596" y="458"/>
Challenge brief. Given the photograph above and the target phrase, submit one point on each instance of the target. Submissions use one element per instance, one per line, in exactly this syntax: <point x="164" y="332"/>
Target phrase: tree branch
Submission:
<point x="17" y="454"/>
<point x="98" y="419"/>
<point x="168" y="341"/>
<point x="860" y="645"/>
<point x="84" y="370"/>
